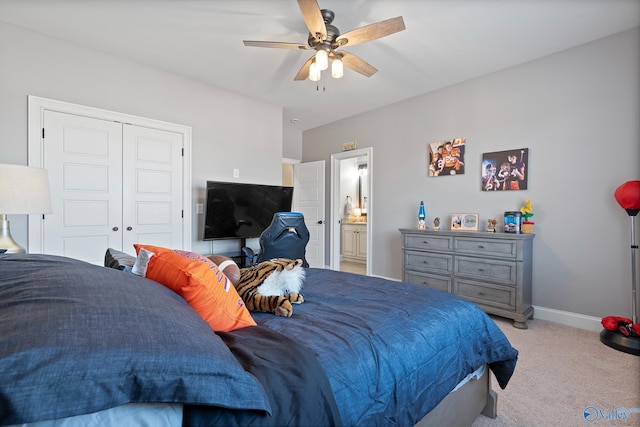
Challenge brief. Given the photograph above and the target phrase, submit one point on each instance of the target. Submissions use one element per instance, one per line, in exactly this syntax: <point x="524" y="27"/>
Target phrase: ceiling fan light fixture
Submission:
<point x="324" y="39"/>
<point x="322" y="60"/>
<point x="314" y="72"/>
<point x="337" y="69"/>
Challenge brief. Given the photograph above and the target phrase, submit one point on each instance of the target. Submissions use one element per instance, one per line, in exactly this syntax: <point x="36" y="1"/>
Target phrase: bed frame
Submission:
<point x="463" y="406"/>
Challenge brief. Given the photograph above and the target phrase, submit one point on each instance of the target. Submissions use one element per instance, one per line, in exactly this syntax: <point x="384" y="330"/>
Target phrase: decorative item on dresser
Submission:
<point x="527" y="212"/>
<point x="465" y="221"/>
<point x="491" y="269"/>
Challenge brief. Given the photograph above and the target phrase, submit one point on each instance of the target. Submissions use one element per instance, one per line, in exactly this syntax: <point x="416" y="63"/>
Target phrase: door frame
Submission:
<point x="36" y="108"/>
<point x="336" y="211"/>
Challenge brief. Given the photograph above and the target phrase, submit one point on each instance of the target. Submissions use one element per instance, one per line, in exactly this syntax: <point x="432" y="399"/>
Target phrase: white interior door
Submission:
<point x="308" y="198"/>
<point x="152" y="187"/>
<point x="84" y="159"/>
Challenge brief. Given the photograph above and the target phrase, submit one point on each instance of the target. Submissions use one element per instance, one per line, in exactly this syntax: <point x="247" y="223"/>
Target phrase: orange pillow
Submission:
<point x="199" y="281"/>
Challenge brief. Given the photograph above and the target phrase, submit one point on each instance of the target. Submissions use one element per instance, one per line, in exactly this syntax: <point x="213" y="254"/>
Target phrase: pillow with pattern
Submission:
<point x="119" y="260"/>
<point x="199" y="281"/>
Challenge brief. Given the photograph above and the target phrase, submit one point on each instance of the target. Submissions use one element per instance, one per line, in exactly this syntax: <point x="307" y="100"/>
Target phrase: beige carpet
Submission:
<point x="563" y="372"/>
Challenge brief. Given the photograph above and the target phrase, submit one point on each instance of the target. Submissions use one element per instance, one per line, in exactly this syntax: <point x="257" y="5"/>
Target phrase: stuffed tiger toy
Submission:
<point x="272" y="286"/>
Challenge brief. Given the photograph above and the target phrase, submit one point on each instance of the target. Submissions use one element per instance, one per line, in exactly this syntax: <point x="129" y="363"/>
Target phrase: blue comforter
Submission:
<point x="391" y="350"/>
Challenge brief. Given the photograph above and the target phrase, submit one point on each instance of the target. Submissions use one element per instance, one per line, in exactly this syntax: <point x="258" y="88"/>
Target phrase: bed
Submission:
<point x="87" y="345"/>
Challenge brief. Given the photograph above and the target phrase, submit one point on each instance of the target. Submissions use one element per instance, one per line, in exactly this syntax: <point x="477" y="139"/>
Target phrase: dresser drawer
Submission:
<point x="486" y="294"/>
<point x="506" y="249"/>
<point x="487" y="269"/>
<point x="428" y="261"/>
<point x="442" y="283"/>
<point x="422" y="242"/>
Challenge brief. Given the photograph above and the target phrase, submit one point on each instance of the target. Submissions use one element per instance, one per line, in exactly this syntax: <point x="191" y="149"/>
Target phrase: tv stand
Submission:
<point x="241" y="257"/>
<point x="244" y="259"/>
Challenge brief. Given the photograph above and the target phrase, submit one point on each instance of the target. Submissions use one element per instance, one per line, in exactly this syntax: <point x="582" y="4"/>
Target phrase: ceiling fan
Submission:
<point x="326" y="40"/>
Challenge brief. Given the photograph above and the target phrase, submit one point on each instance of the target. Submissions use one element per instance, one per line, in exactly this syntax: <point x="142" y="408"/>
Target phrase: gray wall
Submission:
<point x="577" y="111"/>
<point x="291" y="141"/>
<point x="33" y="64"/>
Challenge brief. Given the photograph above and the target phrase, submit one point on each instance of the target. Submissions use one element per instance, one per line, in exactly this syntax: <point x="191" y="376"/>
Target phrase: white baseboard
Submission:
<point x="567" y="318"/>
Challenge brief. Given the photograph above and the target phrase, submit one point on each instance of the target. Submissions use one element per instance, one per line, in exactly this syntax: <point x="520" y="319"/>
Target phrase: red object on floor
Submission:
<point x="611" y="323"/>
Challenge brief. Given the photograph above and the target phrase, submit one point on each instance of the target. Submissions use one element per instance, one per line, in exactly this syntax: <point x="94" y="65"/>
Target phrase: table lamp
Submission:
<point x="23" y="190"/>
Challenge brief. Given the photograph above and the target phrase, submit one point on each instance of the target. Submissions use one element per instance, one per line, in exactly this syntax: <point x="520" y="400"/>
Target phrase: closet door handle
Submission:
<point x="115" y="229"/>
<point x="129" y="228"/>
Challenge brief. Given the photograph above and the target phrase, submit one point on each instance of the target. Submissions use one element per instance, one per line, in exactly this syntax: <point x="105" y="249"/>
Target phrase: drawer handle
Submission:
<point x="425" y="262"/>
<point x="481" y="246"/>
<point x="481" y="269"/>
<point x="481" y="294"/>
<point x="425" y="242"/>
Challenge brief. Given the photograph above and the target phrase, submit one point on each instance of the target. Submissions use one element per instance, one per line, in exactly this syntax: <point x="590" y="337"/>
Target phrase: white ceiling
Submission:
<point x="445" y="42"/>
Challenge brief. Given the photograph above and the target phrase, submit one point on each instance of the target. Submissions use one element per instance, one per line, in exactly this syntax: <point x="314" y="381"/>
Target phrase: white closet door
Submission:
<point x="84" y="159"/>
<point x="152" y="187"/>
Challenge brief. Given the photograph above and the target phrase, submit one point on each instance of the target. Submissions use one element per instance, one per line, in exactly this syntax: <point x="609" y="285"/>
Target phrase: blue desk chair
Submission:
<point x="286" y="237"/>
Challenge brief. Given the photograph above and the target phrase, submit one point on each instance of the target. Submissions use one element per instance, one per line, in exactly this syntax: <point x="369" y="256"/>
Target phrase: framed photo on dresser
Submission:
<point x="464" y="221"/>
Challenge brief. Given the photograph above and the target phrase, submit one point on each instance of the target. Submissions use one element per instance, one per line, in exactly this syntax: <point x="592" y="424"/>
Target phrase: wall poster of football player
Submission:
<point x="505" y="170"/>
<point x="446" y="158"/>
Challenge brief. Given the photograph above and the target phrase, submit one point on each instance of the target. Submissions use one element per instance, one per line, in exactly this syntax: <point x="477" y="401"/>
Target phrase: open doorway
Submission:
<point x="351" y="211"/>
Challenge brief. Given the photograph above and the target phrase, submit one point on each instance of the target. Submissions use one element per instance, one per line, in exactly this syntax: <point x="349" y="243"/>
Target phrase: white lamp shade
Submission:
<point x="24" y="190"/>
<point x="322" y="60"/>
<point x="337" y="69"/>
<point x="314" y="72"/>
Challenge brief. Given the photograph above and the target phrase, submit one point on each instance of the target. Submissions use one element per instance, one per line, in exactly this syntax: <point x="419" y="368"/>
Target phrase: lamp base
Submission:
<point x="620" y="342"/>
<point x="6" y="241"/>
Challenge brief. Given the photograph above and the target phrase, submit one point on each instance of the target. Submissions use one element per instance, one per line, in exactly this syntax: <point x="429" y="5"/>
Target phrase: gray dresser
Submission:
<point x="491" y="269"/>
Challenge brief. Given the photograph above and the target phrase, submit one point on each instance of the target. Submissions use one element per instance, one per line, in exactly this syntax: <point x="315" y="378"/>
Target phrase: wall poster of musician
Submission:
<point x="446" y="158"/>
<point x="505" y="170"/>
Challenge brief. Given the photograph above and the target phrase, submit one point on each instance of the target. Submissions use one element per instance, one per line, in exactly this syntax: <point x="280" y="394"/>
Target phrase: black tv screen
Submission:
<point x="235" y="210"/>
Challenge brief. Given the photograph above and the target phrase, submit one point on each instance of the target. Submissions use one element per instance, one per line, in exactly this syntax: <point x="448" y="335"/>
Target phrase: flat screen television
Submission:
<point x="242" y="211"/>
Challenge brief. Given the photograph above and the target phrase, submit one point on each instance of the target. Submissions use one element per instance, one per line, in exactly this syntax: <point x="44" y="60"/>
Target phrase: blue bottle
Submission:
<point x="422" y="216"/>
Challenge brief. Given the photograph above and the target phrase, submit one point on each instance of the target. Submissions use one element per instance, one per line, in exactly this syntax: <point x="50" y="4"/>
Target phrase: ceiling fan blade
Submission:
<point x="357" y="64"/>
<point x="279" y="45"/>
<point x="313" y="18"/>
<point x="371" y="32"/>
<point x="304" y="71"/>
